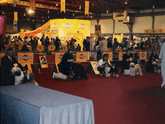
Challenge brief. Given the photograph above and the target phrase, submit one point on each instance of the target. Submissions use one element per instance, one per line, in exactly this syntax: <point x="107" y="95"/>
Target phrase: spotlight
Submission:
<point x="28" y="18"/>
<point x="56" y="4"/>
<point x="73" y="14"/>
<point x="43" y="20"/>
<point x="153" y="7"/>
<point x="107" y="11"/>
<point x="24" y="14"/>
<point x="30" y="11"/>
<point x="126" y="2"/>
<point x="33" y="20"/>
<point x="80" y="7"/>
<point x="91" y="16"/>
<point x="3" y="12"/>
<point x="48" y="11"/>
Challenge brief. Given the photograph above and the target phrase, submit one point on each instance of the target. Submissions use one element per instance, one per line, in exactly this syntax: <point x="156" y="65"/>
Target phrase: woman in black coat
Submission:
<point x="152" y="61"/>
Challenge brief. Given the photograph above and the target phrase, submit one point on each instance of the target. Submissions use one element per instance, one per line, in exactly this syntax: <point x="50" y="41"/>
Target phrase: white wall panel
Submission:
<point x="92" y="26"/>
<point x="121" y="28"/>
<point x="159" y="22"/>
<point x="142" y="23"/>
<point x="106" y="25"/>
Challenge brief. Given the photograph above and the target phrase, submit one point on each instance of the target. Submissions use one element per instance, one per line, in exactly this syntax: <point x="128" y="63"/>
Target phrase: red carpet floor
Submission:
<point x="122" y="100"/>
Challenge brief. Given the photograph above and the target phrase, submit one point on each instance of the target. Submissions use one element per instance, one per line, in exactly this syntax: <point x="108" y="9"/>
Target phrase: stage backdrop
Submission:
<point x="66" y="27"/>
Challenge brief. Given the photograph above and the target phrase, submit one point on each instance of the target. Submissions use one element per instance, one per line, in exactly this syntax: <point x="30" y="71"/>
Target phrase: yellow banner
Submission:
<point x="81" y="56"/>
<point x="143" y="55"/>
<point x="121" y="55"/>
<point x="1" y="55"/>
<point x="63" y="5"/>
<point x="6" y="1"/>
<point x="58" y="56"/>
<point x="32" y="4"/>
<point x="16" y="16"/>
<point x="86" y="7"/>
<point x="40" y="48"/>
<point x="43" y="61"/>
<point x="110" y="55"/>
<point x="25" y="57"/>
<point x="51" y="48"/>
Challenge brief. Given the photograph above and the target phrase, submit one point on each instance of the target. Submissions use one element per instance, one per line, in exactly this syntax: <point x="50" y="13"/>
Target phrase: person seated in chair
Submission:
<point x="105" y="66"/>
<point x="152" y="64"/>
<point x="127" y="59"/>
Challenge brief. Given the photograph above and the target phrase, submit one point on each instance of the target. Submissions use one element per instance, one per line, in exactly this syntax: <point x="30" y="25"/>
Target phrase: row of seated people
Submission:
<point x="67" y="64"/>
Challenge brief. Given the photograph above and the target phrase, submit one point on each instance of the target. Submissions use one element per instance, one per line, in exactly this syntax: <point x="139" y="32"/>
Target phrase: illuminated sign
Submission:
<point x="82" y="26"/>
<point x="67" y="25"/>
<point x="25" y="57"/>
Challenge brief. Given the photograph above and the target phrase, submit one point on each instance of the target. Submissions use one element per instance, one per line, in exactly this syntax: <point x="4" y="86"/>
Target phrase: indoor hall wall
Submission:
<point x="121" y="28"/>
<point x="92" y="26"/>
<point x="141" y="23"/>
<point x="106" y="25"/>
<point x="159" y="22"/>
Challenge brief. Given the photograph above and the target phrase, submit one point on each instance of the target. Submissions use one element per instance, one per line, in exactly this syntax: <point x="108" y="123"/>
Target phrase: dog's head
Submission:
<point x="16" y="71"/>
<point x="132" y="65"/>
<point x="137" y="66"/>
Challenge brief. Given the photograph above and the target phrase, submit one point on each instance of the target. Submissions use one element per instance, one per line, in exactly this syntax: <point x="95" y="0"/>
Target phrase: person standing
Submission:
<point x="157" y="44"/>
<point x="57" y="43"/>
<point x="162" y="56"/>
<point x="7" y="62"/>
<point x="103" y="45"/>
<point x="109" y="43"/>
<point x="86" y="44"/>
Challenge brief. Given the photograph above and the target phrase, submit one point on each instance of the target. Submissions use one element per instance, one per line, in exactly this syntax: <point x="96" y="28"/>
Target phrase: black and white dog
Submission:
<point x="22" y="77"/>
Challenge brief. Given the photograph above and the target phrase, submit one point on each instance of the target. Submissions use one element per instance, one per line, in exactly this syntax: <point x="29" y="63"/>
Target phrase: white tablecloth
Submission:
<point x="30" y="104"/>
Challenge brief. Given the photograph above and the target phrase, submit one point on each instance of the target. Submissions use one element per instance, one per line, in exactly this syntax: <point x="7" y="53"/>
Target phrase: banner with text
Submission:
<point x="143" y="55"/>
<point x="58" y="56"/>
<point x="40" y="48"/>
<point x="51" y="48"/>
<point x="25" y="57"/>
<point x="81" y="56"/>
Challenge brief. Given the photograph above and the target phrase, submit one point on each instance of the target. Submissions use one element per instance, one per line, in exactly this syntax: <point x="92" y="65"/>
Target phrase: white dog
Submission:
<point x="138" y="70"/>
<point x="22" y="78"/>
<point x="132" y="69"/>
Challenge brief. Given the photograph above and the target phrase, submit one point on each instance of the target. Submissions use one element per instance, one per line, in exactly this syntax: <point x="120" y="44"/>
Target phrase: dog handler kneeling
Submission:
<point x="65" y="65"/>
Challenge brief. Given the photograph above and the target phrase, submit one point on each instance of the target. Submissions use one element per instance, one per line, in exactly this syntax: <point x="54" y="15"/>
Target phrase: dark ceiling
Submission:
<point x="73" y="8"/>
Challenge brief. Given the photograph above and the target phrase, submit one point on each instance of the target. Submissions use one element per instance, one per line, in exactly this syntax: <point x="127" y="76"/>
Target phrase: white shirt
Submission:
<point x="162" y="52"/>
<point x="101" y="62"/>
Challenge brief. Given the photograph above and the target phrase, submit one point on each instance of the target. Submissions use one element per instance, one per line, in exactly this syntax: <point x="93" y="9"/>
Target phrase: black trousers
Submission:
<point x="112" y="69"/>
<point x="77" y="70"/>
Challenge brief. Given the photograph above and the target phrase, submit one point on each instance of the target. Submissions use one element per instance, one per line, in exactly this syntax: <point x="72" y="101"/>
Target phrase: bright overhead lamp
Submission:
<point x="126" y="2"/>
<point x="30" y="11"/>
<point x="107" y="11"/>
<point x="80" y="7"/>
<point x="56" y="4"/>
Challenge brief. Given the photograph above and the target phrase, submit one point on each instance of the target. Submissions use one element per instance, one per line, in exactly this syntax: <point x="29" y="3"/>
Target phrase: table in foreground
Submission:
<point x="30" y="104"/>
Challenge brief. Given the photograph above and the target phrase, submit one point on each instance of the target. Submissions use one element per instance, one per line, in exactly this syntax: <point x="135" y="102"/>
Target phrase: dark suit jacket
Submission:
<point x="6" y="65"/>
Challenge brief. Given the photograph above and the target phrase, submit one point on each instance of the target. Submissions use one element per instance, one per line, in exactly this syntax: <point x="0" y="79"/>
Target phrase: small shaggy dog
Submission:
<point x="22" y="78"/>
<point x="138" y="70"/>
<point x="135" y="69"/>
<point x="132" y="69"/>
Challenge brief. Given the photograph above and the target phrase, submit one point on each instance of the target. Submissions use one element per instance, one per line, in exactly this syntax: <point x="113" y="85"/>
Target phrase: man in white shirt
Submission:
<point x="105" y="66"/>
<point x="162" y="56"/>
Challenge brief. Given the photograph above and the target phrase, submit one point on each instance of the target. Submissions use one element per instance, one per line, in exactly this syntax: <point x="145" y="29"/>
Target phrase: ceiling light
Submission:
<point x="28" y="18"/>
<point x="80" y="7"/>
<point x="107" y="11"/>
<point x="56" y="4"/>
<point x="91" y="16"/>
<point x="73" y="14"/>
<point x="48" y="11"/>
<point x="33" y="20"/>
<point x="24" y="14"/>
<point x="3" y="12"/>
<point x="30" y="11"/>
<point x="153" y="7"/>
<point x="43" y="20"/>
<point x="126" y="2"/>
